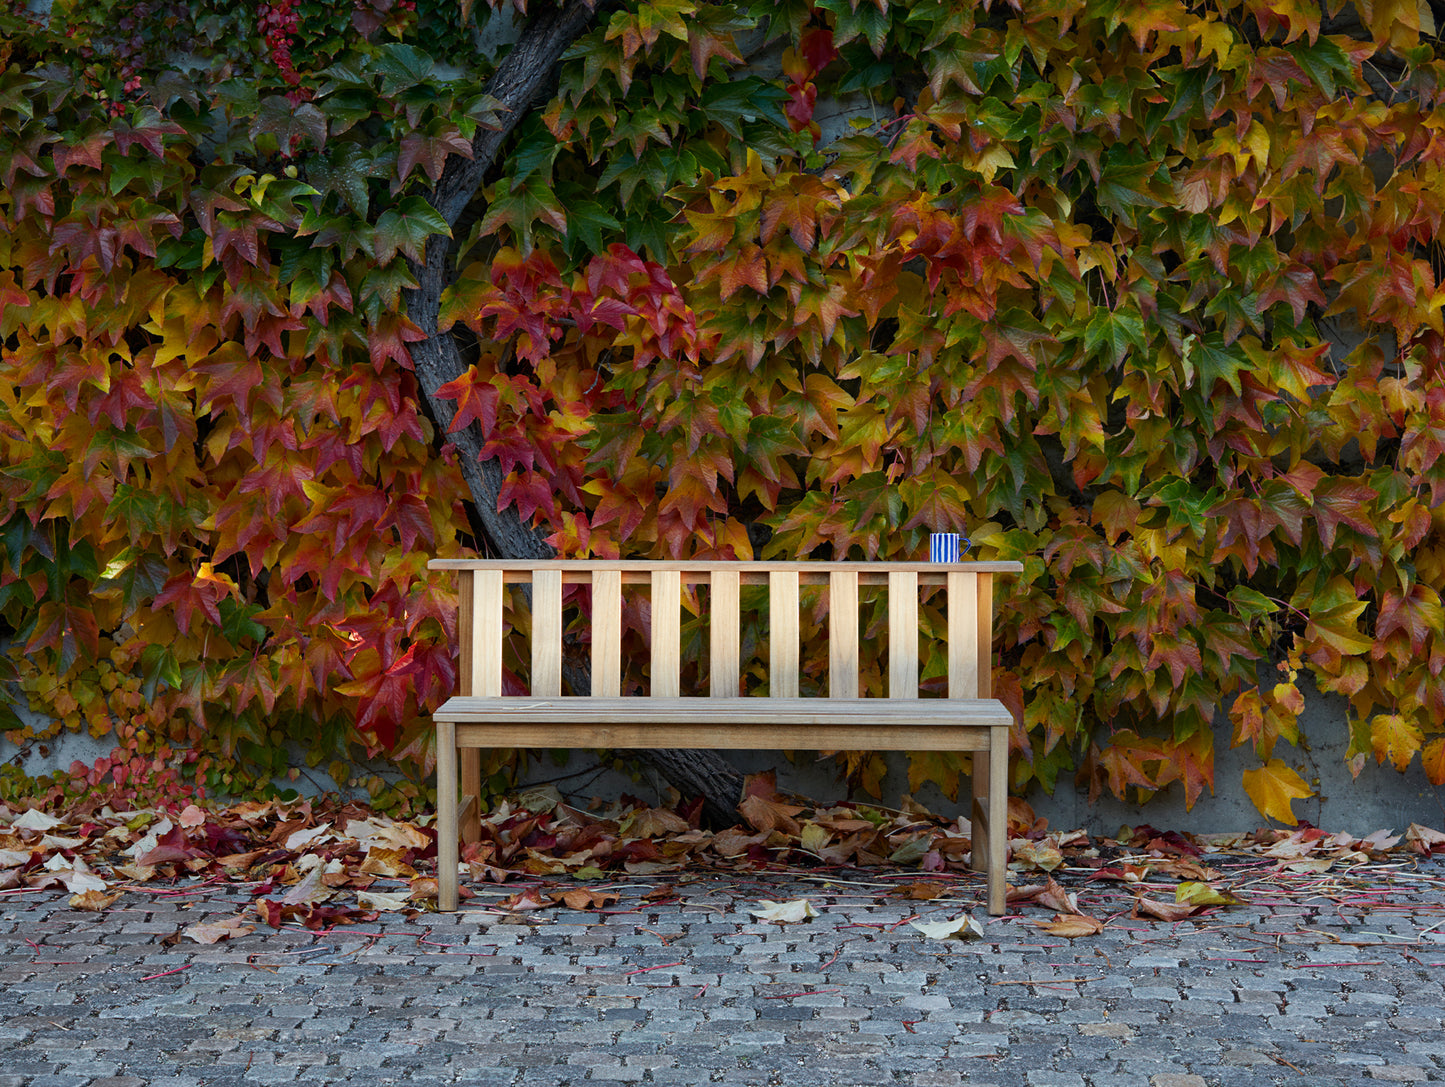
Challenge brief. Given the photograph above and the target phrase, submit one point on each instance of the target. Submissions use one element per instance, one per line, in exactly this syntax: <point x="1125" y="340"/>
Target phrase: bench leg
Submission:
<point x="470" y="761"/>
<point x="998" y="821"/>
<point x="446" y="826"/>
<point x="979" y="830"/>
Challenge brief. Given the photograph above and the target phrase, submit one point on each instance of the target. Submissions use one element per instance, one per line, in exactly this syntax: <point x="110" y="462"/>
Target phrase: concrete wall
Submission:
<point x="1380" y="798"/>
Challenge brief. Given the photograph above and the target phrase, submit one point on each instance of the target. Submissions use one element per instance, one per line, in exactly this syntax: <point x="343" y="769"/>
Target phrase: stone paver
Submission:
<point x="1281" y="991"/>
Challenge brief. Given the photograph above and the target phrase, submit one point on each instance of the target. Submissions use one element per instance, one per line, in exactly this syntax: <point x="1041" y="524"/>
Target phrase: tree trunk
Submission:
<point x="517" y="83"/>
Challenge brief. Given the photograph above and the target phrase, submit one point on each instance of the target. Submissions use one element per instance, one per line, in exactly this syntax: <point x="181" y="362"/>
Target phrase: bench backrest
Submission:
<point x="969" y="588"/>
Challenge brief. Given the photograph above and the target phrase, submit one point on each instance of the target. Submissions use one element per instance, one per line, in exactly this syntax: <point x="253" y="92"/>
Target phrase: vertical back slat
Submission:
<point x="723" y="625"/>
<point x="902" y="634"/>
<point x="985" y="635"/>
<point x="485" y="669"/>
<point x="783" y="634"/>
<point x="666" y="633"/>
<point x="546" y="633"/>
<point x="962" y="635"/>
<point x="466" y="582"/>
<point x="607" y="633"/>
<point x="843" y="634"/>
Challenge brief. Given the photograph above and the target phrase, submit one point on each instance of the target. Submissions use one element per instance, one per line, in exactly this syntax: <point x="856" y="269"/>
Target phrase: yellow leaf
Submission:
<point x="1395" y="738"/>
<point x="1433" y="760"/>
<point x="1193" y="893"/>
<point x="1272" y="787"/>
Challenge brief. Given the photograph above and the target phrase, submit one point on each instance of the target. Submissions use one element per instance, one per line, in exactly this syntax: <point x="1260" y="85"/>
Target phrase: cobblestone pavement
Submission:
<point x="1333" y="988"/>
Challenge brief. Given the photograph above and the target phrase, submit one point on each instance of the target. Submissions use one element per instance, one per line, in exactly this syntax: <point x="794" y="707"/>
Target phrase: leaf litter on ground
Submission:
<point x="325" y="862"/>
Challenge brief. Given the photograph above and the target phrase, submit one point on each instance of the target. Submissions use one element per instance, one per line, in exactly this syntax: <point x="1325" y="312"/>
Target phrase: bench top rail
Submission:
<point x="639" y="571"/>
<point x="969" y="601"/>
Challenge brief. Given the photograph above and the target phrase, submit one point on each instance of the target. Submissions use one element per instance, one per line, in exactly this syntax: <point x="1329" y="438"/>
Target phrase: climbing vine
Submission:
<point x="1145" y="296"/>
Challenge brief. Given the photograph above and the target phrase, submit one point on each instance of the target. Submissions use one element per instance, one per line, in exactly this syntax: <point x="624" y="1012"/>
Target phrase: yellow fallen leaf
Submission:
<point x="1202" y="894"/>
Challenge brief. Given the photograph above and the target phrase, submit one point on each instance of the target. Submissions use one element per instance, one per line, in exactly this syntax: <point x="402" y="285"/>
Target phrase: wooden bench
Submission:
<point x="481" y="716"/>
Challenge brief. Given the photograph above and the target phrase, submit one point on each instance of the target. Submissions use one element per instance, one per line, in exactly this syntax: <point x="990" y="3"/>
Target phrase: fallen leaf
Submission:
<point x="387" y="863"/>
<point x="1163" y="911"/>
<point x="768" y="815"/>
<point x="192" y="816"/>
<point x="1424" y="840"/>
<point x="1071" y="925"/>
<point x="1313" y="865"/>
<point x="211" y="932"/>
<point x="652" y="823"/>
<point x="922" y="890"/>
<point x="1044" y="855"/>
<point x="380" y="832"/>
<point x="75" y="875"/>
<point x="35" y="819"/>
<point x="309" y="890"/>
<point x="93" y="900"/>
<point x="960" y="928"/>
<point x="1202" y="894"/>
<point x="1054" y="897"/>
<point x="311" y="836"/>
<point x="530" y="899"/>
<point x="423" y="887"/>
<point x="581" y="899"/>
<point x="373" y="900"/>
<point x="798" y="909"/>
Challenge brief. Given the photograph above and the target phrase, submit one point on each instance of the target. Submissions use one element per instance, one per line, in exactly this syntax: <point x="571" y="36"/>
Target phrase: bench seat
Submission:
<point x="753" y="723"/>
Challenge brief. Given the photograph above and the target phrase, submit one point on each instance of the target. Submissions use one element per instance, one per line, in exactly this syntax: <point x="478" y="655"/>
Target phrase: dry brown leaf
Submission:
<point x="423" y="887"/>
<point x="1054" y="897"/>
<point x="579" y="898"/>
<point x="922" y="890"/>
<point x="92" y="900"/>
<point x="387" y="863"/>
<point x="769" y="815"/>
<point x="1424" y="840"/>
<point x="653" y="823"/>
<point x="211" y="932"/>
<point x="1044" y="855"/>
<point x="1163" y="911"/>
<point x="530" y="899"/>
<point x="1071" y="925"/>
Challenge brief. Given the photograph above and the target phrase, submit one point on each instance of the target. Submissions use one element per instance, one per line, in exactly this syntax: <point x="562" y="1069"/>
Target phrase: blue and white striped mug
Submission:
<point x="947" y="546"/>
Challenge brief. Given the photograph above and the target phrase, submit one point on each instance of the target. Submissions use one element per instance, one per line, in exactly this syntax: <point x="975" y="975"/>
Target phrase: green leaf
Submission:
<point x="401" y="66"/>
<point x="238" y="624"/>
<point x="158" y="665"/>
<point x="1113" y="332"/>
<point x="587" y="222"/>
<point x="406" y="228"/>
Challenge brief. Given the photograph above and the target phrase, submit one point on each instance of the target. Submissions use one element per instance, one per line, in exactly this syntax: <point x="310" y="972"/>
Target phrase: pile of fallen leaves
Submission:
<point x="325" y="862"/>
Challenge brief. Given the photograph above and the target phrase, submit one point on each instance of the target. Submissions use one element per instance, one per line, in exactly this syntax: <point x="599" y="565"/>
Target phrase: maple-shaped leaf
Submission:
<point x="1333" y="611"/>
<point x="1432" y="760"/>
<point x="1396" y="739"/>
<point x="1113" y="333"/>
<point x="1273" y="787"/>
<point x="1343" y="501"/>
<point x="1417" y="614"/>
<point x="405" y="229"/>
